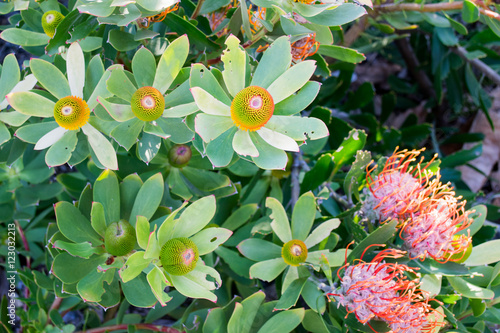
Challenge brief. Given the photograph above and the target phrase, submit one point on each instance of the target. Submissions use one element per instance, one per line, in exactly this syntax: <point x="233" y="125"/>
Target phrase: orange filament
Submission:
<point x="146" y="21"/>
<point x="304" y="47"/>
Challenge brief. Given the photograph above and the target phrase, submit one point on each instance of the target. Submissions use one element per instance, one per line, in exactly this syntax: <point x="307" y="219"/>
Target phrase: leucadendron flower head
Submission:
<point x="253" y="114"/>
<point x="297" y="241"/>
<point x="138" y="104"/>
<point x="71" y="112"/>
<point x="174" y="252"/>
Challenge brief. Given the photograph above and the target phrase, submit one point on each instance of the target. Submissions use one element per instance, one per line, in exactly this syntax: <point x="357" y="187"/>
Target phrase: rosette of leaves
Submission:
<point x="122" y="13"/>
<point x="10" y="82"/>
<point x="68" y="99"/>
<point x="81" y="261"/>
<point x="172" y="249"/>
<point x="253" y="115"/>
<point x="138" y="104"/>
<point x="190" y="175"/>
<point x="296" y="251"/>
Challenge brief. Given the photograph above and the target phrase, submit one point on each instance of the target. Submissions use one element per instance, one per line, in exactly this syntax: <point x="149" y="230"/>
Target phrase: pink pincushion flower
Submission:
<point x="433" y="232"/>
<point x="401" y="188"/>
<point x="417" y="317"/>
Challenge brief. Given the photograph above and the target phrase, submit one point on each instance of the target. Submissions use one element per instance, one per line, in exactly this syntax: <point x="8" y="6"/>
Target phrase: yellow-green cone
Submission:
<point x="147" y="103"/>
<point x="179" y="256"/>
<point x="294" y="252"/>
<point x="50" y="21"/>
<point x="120" y="238"/>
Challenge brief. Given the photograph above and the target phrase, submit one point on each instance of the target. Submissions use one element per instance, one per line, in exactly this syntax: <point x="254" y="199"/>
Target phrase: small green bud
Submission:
<point x="50" y="21"/>
<point x="120" y="238"/>
<point x="179" y="155"/>
<point x="294" y="252"/>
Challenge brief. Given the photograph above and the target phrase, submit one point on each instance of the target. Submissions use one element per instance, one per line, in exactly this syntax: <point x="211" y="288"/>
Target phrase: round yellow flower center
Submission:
<point x="252" y="108"/>
<point x="71" y="112"/>
<point x="50" y="21"/>
<point x="294" y="252"/>
<point x="147" y="103"/>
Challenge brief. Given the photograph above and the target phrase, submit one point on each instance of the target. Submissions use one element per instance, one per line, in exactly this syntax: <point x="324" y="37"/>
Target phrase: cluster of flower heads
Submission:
<point x="380" y="290"/>
<point x="429" y="213"/>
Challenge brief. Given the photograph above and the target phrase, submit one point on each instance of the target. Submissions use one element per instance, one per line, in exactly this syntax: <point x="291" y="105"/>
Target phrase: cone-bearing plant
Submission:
<point x="138" y="104"/>
<point x="98" y="236"/>
<point x="252" y="115"/>
<point x="297" y="250"/>
<point x="50" y="21"/>
<point x="188" y="175"/>
<point x="75" y="101"/>
<point x="171" y="254"/>
<point x="10" y="82"/>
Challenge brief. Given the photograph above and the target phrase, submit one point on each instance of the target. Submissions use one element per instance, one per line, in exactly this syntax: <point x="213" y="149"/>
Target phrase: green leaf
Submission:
<point x="318" y="174"/>
<point x="259" y="249"/>
<point x="461" y="157"/>
<point x="144" y="67"/>
<point x="205" y="180"/>
<point x="275" y="61"/>
<point x="31" y="104"/>
<point x="120" y="85"/>
<point x="60" y="152"/>
<point x="379" y="236"/>
<point x="24" y="37"/>
<point x="351" y="181"/>
<point x="303" y="216"/>
<point x="209" y="239"/>
<point x="269" y="157"/>
<point x="342" y="53"/>
<point x="122" y="41"/>
<point x="292" y="80"/>
<point x="321" y="232"/>
<point x="158" y="282"/>
<point x="191" y="221"/>
<point x="79" y="267"/>
<point x="142" y="229"/>
<point x="201" y="77"/>
<point x="284" y="321"/>
<point x="240" y="217"/>
<point x="107" y="192"/>
<point x="74" y="226"/>
<point x="298" y="101"/>
<point x="234" y="59"/>
<point x="10" y="75"/>
<point x="50" y="77"/>
<point x="314" y="297"/>
<point x="171" y="63"/>
<point x="280" y="223"/>
<point x="220" y="150"/>
<point x="135" y="264"/>
<point x="91" y="288"/>
<point x="126" y="133"/>
<point x="484" y="254"/>
<point x="82" y="250"/>
<point x="190" y="286"/>
<point x="138" y="292"/>
<point x="459" y="27"/>
<point x="470" y="12"/>
<point x="98" y="219"/>
<point x="238" y="264"/>
<point x="215" y="322"/>
<point x="345" y="13"/>
<point x="431" y="283"/>
<point x="349" y="147"/>
<point x="267" y="270"/>
<point x="196" y="37"/>
<point x="291" y="295"/>
<point x="148" y="199"/>
<point x="244" y="314"/>
<point x="469" y="290"/>
<point x="129" y="188"/>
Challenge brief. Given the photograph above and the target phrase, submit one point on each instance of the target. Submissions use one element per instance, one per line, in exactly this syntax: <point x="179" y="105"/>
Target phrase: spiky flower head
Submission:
<point x="401" y="188"/>
<point x="179" y="256"/>
<point x="376" y="289"/>
<point x="252" y="108"/>
<point x="71" y="112"/>
<point x="179" y="155"/>
<point x="294" y="252"/>
<point x="304" y="47"/>
<point x="147" y="103"/>
<point x="416" y="317"/>
<point x="50" y="21"/>
<point x="433" y="232"/>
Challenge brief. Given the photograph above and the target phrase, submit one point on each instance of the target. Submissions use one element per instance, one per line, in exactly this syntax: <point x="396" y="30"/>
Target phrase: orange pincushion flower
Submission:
<point x="433" y="232"/>
<point x="304" y="47"/>
<point x="402" y="187"/>
<point x="254" y="16"/>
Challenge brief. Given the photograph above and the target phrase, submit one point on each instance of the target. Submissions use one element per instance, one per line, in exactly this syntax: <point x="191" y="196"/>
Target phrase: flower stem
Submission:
<point x="197" y="9"/>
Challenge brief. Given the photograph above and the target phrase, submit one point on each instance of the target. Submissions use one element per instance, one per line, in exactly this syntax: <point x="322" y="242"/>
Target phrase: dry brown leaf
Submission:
<point x="491" y="146"/>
